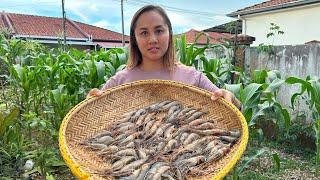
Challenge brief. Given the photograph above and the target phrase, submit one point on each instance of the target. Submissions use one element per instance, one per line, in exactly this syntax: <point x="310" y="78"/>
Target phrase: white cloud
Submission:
<point x="93" y="7"/>
<point x="183" y="22"/>
<point x="102" y="24"/>
<point x="80" y="8"/>
<point x="106" y="13"/>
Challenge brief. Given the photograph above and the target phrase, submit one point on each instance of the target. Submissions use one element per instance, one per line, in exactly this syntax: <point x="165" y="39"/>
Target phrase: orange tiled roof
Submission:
<point x="271" y="4"/>
<point x="50" y="26"/>
<point x="215" y="37"/>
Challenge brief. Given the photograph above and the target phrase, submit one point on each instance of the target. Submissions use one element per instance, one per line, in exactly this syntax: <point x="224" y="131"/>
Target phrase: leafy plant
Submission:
<point x="187" y="54"/>
<point x="8" y="120"/>
<point x="274" y="30"/>
<point x="237" y="171"/>
<point x="259" y="101"/>
<point x="217" y="70"/>
<point x="12" y="143"/>
<point x="310" y="87"/>
<point x="45" y="84"/>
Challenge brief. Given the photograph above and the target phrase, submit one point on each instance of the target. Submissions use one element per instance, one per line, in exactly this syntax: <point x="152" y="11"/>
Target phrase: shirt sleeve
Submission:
<point x="116" y="80"/>
<point x="112" y="82"/>
<point x="205" y="83"/>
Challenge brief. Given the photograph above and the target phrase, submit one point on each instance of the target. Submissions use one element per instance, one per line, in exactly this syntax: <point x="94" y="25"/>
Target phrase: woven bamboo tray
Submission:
<point x="97" y="113"/>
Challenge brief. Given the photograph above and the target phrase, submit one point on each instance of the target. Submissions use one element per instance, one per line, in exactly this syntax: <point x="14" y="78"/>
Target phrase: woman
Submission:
<point x="151" y="56"/>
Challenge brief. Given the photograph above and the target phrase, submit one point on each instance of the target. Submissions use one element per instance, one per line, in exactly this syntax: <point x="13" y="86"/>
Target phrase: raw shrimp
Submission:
<point x="213" y="132"/>
<point x="159" y="172"/>
<point x="122" y="162"/>
<point x="228" y="139"/>
<point x="170" y="145"/>
<point x="217" y="153"/>
<point x="127" y="152"/>
<point x="197" y="122"/>
<point x="194" y="116"/>
<point x="168" y="132"/>
<point x="133" y="165"/>
<point x="190" y="162"/>
<point x="205" y="126"/>
<point x="190" y="138"/>
<point x="105" y="140"/>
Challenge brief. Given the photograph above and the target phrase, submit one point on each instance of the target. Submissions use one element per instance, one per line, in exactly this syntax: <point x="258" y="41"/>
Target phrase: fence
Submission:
<point x="299" y="61"/>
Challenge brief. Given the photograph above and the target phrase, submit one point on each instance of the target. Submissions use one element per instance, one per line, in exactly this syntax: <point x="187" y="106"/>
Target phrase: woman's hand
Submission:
<point x="227" y="95"/>
<point x="94" y="92"/>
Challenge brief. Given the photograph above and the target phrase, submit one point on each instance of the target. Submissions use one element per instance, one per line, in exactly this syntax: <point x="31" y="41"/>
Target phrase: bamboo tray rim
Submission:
<point x="82" y="174"/>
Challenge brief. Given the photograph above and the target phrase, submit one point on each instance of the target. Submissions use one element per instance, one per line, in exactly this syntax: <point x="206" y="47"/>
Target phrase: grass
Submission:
<point x="296" y="163"/>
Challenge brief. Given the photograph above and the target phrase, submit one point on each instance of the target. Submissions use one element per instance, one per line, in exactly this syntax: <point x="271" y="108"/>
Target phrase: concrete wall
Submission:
<point x="299" y="25"/>
<point x="299" y="61"/>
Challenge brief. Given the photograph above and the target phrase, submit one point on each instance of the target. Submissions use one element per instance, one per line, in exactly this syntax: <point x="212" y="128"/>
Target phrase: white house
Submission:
<point x="298" y="19"/>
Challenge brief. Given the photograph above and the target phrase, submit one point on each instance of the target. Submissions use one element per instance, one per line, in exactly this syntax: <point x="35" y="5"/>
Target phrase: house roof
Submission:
<point x="226" y="28"/>
<point x="215" y="37"/>
<point x="271" y="5"/>
<point x="31" y="25"/>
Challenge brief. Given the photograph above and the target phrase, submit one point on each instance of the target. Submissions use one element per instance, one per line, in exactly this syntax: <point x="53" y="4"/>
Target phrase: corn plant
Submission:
<point x="116" y="61"/>
<point x="47" y="83"/>
<point x="12" y="142"/>
<point x="248" y="159"/>
<point x="310" y="89"/>
<point x="187" y="54"/>
<point x="259" y="100"/>
<point x="217" y="70"/>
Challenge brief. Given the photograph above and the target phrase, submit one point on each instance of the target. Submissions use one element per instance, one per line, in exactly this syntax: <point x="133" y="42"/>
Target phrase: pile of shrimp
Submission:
<point x="161" y="141"/>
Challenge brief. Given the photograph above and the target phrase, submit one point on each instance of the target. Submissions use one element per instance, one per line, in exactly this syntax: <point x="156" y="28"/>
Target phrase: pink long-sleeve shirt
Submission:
<point x="182" y="73"/>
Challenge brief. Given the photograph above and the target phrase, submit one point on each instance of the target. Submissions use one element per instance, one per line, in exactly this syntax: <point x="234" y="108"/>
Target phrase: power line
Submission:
<point x="170" y="8"/>
<point x="207" y="15"/>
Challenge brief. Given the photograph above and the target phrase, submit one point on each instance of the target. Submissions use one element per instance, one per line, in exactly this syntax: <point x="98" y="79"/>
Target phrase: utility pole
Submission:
<point x="64" y="26"/>
<point x="234" y="58"/>
<point x="123" y="43"/>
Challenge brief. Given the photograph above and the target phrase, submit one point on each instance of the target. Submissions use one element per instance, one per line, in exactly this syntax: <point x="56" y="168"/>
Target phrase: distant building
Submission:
<point x="211" y="38"/>
<point x="49" y="31"/>
<point x="214" y="37"/>
<point x="296" y="18"/>
<point x="230" y="27"/>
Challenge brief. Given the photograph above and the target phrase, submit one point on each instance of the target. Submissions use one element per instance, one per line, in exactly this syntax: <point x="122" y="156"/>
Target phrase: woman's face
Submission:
<point x="152" y="36"/>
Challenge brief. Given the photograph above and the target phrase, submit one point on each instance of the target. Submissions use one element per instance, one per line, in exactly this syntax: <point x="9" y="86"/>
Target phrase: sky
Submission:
<point x="184" y="14"/>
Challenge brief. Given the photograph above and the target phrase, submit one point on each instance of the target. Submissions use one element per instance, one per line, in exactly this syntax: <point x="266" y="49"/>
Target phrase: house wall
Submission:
<point x="299" y="24"/>
<point x="299" y="61"/>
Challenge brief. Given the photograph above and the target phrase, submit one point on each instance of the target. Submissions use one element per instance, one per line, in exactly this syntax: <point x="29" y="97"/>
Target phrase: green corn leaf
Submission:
<point x="18" y="71"/>
<point x="6" y="121"/>
<point x="274" y="85"/>
<point x="249" y="91"/>
<point x="100" y="66"/>
<point x="248" y="114"/>
<point x="111" y="68"/>
<point x="250" y="159"/>
<point x="273" y="74"/>
<point x="295" y="80"/>
<point x="259" y="76"/>
<point x="234" y="88"/>
<point x="189" y="55"/>
<point x="276" y="160"/>
<point x="261" y="112"/>
<point x="181" y="47"/>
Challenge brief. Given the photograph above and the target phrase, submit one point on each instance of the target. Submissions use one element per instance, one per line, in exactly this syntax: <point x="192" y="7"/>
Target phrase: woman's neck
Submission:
<point x="152" y="66"/>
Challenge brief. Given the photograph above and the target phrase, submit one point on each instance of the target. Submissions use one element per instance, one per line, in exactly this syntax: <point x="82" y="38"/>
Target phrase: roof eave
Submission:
<point x="108" y="40"/>
<point x="267" y="9"/>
